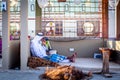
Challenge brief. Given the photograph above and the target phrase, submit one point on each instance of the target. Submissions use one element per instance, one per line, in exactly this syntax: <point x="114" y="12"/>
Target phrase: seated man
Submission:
<point x="39" y="48"/>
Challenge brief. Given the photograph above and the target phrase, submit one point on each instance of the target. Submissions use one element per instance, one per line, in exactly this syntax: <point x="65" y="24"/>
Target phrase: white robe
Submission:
<point x="36" y="47"/>
<point x="38" y="50"/>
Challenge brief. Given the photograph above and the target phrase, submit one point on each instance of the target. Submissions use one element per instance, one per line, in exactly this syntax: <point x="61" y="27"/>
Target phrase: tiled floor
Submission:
<point x="92" y="64"/>
<point x="82" y="63"/>
<point x="89" y="64"/>
<point x="34" y="75"/>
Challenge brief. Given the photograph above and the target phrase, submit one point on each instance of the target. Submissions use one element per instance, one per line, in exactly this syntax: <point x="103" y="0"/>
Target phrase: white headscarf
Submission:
<point x="37" y="48"/>
<point x="37" y="39"/>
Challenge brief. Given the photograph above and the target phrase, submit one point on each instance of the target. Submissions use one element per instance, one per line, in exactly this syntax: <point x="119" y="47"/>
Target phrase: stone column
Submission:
<point x="5" y="36"/>
<point x="38" y="18"/>
<point x="24" y="42"/>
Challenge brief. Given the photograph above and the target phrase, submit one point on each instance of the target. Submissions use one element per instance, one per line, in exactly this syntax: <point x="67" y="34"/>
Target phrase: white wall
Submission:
<point x="84" y="48"/>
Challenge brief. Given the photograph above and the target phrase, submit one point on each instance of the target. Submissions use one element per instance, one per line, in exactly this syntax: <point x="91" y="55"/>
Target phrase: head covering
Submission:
<point x="40" y="34"/>
<point x="37" y="38"/>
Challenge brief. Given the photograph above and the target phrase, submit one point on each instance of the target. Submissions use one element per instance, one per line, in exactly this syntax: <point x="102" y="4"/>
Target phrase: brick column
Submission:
<point x="118" y="21"/>
<point x="105" y="18"/>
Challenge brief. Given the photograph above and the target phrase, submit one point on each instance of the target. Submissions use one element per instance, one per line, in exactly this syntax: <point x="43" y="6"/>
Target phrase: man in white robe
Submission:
<point x="38" y="49"/>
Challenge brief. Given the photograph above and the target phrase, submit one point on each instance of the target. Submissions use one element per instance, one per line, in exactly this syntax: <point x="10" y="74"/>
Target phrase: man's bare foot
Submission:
<point x="72" y="58"/>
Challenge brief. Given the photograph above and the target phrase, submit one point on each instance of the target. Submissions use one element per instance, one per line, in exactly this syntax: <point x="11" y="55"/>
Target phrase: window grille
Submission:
<point x="73" y="20"/>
